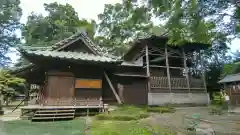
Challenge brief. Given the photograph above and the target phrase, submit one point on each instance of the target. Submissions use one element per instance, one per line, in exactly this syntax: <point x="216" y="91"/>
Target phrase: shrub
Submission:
<point x="164" y="109"/>
<point x="123" y="117"/>
<point x="217" y="99"/>
<point x="124" y="113"/>
<point x="218" y="110"/>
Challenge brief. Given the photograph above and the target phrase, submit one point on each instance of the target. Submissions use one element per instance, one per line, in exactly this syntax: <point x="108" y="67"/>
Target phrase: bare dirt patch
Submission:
<point x="178" y="121"/>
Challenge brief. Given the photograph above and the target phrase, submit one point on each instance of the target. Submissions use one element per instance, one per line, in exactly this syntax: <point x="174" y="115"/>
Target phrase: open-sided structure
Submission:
<point x="160" y="73"/>
<point x="76" y="72"/>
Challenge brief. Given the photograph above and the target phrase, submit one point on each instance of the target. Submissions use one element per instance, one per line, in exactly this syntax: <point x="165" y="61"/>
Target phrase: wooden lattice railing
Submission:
<point x="176" y="83"/>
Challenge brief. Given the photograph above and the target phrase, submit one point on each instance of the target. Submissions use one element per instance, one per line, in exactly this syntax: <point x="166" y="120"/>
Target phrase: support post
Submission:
<point x="185" y="67"/>
<point x="168" y="71"/>
<point x="148" y="70"/>
<point x="112" y="88"/>
<point x="26" y="93"/>
<point x="203" y="74"/>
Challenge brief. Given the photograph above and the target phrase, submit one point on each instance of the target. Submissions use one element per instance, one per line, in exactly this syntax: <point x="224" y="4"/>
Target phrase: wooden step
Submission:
<point x="56" y="117"/>
<point x="52" y="114"/>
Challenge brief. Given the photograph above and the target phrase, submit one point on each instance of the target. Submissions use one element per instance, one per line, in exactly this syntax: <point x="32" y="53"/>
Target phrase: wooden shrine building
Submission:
<point x="231" y="84"/>
<point x="76" y="72"/>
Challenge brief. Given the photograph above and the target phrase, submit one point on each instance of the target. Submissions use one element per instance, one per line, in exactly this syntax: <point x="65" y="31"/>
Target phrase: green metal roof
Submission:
<point x="71" y="55"/>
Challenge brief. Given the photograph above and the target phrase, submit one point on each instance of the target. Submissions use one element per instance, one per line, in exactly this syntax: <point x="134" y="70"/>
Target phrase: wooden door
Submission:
<point x="59" y="89"/>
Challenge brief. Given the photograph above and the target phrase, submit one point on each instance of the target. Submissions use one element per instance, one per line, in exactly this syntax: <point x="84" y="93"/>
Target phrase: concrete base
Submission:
<point x="178" y="98"/>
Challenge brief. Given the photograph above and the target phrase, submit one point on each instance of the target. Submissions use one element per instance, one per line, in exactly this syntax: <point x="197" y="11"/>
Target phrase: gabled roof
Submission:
<point x="70" y="56"/>
<point x="230" y="78"/>
<point x="96" y="49"/>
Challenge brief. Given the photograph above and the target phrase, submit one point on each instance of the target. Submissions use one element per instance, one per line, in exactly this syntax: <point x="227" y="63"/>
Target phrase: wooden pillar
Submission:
<point x="168" y="71"/>
<point x="147" y="68"/>
<point x="185" y="67"/>
<point x="203" y="74"/>
<point x="26" y="93"/>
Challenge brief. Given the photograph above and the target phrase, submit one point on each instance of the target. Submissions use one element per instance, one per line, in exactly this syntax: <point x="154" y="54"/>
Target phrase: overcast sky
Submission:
<point x="88" y="9"/>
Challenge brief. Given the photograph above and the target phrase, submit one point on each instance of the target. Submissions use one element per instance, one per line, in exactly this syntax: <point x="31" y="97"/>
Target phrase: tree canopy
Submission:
<point x="10" y="14"/>
<point x="10" y="85"/>
<point x="192" y="21"/>
<point x="62" y="21"/>
<point x="121" y="23"/>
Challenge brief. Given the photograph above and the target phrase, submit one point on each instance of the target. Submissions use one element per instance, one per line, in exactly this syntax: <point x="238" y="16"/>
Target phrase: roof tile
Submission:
<point x="72" y="55"/>
<point x="230" y="78"/>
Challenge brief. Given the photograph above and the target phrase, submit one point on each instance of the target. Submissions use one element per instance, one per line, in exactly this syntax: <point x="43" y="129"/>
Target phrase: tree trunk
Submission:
<point x="1" y="101"/>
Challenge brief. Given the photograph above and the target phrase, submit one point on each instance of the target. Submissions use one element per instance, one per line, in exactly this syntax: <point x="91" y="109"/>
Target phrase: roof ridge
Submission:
<point x="97" y="49"/>
<point x="77" y="53"/>
<point x="233" y="74"/>
<point x="63" y="40"/>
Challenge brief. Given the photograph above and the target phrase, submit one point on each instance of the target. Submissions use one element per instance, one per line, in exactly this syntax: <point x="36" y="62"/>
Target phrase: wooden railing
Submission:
<point x="176" y="83"/>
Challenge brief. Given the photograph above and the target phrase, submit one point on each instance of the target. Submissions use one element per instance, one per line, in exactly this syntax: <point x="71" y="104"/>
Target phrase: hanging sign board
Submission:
<point x="88" y="83"/>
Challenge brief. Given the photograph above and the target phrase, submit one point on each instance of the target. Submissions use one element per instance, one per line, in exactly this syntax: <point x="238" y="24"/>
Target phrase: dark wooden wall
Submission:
<point x="60" y="82"/>
<point x="234" y="93"/>
<point x="133" y="90"/>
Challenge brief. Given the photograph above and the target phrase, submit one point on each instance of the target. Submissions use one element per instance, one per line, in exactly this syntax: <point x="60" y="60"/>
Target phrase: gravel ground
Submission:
<point x="9" y="115"/>
<point x="223" y="124"/>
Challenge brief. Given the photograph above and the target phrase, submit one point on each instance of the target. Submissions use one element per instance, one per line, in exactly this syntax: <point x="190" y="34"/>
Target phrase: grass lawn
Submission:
<point x="26" y="127"/>
<point x="118" y="128"/>
<point x="125" y="128"/>
<point x="124" y="121"/>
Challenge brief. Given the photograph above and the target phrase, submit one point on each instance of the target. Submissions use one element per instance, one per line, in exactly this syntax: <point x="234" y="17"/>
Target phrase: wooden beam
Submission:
<point x="156" y="66"/>
<point x="169" y="55"/>
<point x="131" y="75"/>
<point x="147" y="61"/>
<point x="112" y="88"/>
<point x="168" y="72"/>
<point x="148" y="70"/>
<point x="185" y="67"/>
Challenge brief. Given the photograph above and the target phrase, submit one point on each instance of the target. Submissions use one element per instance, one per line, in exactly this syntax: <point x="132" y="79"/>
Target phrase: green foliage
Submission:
<point x="62" y="21"/>
<point x="161" y="109"/>
<point x="184" y="20"/>
<point x="10" y="85"/>
<point x="232" y="68"/>
<point x="216" y="110"/>
<point x="121" y="23"/>
<point x="10" y="14"/>
<point x="198" y="17"/>
<point x="124" y="113"/>
<point x="218" y="99"/>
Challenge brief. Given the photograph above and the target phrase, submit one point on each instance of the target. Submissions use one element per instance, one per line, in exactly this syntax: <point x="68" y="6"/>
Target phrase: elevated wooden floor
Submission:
<point x="38" y="112"/>
<point x="32" y="107"/>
